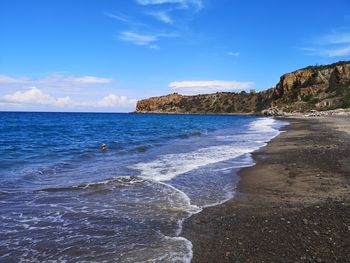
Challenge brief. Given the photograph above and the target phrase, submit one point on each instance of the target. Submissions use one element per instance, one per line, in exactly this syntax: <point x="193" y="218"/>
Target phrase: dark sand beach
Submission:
<point x="292" y="206"/>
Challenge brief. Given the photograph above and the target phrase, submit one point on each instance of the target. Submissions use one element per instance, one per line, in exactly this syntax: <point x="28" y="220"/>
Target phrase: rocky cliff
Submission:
<point x="314" y="87"/>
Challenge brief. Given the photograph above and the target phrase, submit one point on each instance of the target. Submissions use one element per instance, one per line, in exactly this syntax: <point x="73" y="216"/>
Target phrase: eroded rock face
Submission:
<point x="314" y="87"/>
<point x="272" y="112"/>
<point x="157" y="104"/>
<point x="304" y="89"/>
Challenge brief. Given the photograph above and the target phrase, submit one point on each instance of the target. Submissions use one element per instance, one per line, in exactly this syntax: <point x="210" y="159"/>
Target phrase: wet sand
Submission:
<point x="292" y="206"/>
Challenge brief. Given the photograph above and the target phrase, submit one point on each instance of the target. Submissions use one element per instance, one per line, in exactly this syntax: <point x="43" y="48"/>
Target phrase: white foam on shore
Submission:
<point x="263" y="125"/>
<point x="168" y="166"/>
<point x="187" y="206"/>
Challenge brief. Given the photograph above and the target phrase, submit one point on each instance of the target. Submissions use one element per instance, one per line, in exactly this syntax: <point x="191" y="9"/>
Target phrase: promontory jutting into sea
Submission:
<point x="174" y="131"/>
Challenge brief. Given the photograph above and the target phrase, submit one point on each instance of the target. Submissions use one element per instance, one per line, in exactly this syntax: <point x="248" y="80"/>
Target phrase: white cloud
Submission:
<point x="331" y="45"/>
<point x="138" y="39"/>
<point x="166" y="11"/>
<point x="11" y="80"/>
<point x="182" y="3"/>
<point x="328" y="52"/>
<point x="62" y="102"/>
<point x="70" y="80"/>
<point x="35" y="96"/>
<point x="335" y="38"/>
<point x="119" y="17"/>
<point x="128" y="20"/>
<point x="89" y="80"/>
<point x="340" y="52"/>
<point x="55" y="80"/>
<point x="148" y="40"/>
<point x="162" y="16"/>
<point x="233" y="54"/>
<point x="208" y="86"/>
<point x="61" y="92"/>
<point x="113" y="100"/>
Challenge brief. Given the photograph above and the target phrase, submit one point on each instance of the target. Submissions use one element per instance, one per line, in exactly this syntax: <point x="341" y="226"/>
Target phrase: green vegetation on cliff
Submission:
<point x="314" y="87"/>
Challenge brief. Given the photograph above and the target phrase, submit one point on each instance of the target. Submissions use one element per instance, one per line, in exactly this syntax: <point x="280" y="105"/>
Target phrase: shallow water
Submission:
<point x="63" y="199"/>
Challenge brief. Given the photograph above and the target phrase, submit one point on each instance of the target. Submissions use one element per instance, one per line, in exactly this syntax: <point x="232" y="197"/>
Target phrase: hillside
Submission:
<point x="315" y="87"/>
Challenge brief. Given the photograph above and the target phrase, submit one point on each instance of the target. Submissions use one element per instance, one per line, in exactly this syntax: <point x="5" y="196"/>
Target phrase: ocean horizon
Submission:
<point x="127" y="203"/>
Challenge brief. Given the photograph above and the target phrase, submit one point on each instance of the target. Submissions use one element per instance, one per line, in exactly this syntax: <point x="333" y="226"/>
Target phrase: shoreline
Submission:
<point x="339" y="112"/>
<point x="199" y="113"/>
<point x="292" y="205"/>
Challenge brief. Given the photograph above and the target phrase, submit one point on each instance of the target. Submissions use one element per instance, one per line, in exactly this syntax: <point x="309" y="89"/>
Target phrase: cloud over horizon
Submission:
<point x="62" y="92"/>
<point x="208" y="86"/>
<point x="35" y="96"/>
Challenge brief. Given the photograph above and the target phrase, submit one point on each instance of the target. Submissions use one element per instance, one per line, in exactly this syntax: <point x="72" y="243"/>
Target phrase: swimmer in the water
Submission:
<point x="104" y="147"/>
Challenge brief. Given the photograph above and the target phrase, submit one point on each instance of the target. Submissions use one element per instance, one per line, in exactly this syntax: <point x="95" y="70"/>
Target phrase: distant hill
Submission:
<point x="315" y="87"/>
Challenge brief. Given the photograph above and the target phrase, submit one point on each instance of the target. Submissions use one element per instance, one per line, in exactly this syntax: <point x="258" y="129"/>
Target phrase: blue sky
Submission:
<point x="103" y="55"/>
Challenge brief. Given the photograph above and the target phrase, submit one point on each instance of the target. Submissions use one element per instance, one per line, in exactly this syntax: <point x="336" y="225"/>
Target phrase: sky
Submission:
<point x="104" y="55"/>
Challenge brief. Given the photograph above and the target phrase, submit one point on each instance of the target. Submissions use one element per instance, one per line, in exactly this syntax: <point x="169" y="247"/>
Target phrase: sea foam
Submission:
<point x="168" y="166"/>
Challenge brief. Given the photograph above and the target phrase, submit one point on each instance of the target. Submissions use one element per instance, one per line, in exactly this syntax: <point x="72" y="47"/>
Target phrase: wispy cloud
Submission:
<point x="233" y="54"/>
<point x="148" y="40"/>
<point x="128" y="20"/>
<point x="55" y="80"/>
<point x="89" y="80"/>
<point x="119" y="17"/>
<point x="35" y="96"/>
<point x="331" y="52"/>
<point x="334" y="39"/>
<point x="162" y="16"/>
<point x="11" y="80"/>
<point x="181" y="3"/>
<point x="340" y="52"/>
<point x="175" y="14"/>
<point x="331" y="45"/>
<point x="138" y="39"/>
<point x="208" y="86"/>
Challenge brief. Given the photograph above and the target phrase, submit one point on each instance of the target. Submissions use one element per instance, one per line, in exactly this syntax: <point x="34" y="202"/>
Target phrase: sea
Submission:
<point x="64" y="199"/>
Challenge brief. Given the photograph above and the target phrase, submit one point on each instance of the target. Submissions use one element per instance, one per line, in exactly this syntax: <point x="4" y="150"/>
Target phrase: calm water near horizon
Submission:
<point x="63" y="199"/>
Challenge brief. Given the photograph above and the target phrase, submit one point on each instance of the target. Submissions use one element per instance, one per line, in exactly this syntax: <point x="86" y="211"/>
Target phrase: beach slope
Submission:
<point x="292" y="206"/>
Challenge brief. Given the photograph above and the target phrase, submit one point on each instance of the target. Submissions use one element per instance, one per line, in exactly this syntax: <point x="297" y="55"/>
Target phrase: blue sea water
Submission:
<point x="64" y="199"/>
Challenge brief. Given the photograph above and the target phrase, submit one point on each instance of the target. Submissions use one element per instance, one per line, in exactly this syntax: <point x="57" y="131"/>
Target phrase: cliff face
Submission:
<point x="314" y="87"/>
<point x="227" y="102"/>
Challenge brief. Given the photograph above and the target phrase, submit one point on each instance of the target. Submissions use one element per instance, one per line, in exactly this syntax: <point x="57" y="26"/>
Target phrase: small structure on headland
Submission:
<point x="332" y="102"/>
